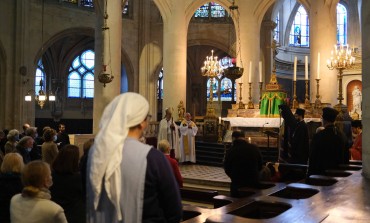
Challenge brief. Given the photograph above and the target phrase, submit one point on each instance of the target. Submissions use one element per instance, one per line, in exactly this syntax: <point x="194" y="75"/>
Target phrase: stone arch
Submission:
<point x="127" y="62"/>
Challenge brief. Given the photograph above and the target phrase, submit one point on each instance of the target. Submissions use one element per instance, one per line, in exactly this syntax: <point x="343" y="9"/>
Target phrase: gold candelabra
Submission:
<point x="317" y="101"/>
<point x="250" y="103"/>
<point x="295" y="102"/>
<point x="307" y="103"/>
<point x="260" y="87"/>
<point x="241" y="104"/>
<point x="341" y="59"/>
<point x="211" y="69"/>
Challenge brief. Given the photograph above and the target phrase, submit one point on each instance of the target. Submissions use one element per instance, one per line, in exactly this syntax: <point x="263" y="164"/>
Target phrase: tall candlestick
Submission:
<point x="306" y="67"/>
<point x="250" y="72"/>
<point x="295" y="69"/>
<point x="318" y="65"/>
<point x="260" y="70"/>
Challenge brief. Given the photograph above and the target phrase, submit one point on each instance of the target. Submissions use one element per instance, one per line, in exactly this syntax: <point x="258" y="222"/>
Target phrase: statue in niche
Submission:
<point x="356" y="104"/>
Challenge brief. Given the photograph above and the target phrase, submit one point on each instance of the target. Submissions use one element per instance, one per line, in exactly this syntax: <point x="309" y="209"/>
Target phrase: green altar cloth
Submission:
<point x="270" y="101"/>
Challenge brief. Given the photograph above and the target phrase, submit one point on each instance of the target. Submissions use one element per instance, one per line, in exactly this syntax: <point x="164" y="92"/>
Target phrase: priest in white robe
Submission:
<point x="188" y="130"/>
<point x="170" y="131"/>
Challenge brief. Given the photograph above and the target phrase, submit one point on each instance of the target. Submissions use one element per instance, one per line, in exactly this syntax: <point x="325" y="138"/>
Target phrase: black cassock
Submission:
<point x="296" y="139"/>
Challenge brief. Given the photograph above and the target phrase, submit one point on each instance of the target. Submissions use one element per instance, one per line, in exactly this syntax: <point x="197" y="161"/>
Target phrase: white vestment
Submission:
<point x="187" y="144"/>
<point x="172" y="135"/>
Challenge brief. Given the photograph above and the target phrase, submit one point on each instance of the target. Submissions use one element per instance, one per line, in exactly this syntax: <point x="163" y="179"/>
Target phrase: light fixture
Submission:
<point x="235" y="72"/>
<point x="41" y="97"/>
<point x="211" y="69"/>
<point x="341" y="59"/>
<point x="104" y="76"/>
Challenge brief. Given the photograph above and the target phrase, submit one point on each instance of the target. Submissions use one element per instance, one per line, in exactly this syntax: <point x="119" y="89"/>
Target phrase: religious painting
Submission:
<point x="354" y="99"/>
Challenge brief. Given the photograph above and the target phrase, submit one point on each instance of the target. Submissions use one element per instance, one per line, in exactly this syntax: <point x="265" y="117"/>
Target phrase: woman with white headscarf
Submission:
<point x="126" y="178"/>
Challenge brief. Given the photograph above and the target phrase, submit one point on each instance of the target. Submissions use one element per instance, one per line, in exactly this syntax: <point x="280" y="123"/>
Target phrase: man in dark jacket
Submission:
<point x="242" y="164"/>
<point x="298" y="140"/>
<point x="327" y="146"/>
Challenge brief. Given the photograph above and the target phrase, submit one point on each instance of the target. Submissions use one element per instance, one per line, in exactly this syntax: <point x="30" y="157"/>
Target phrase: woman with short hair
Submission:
<point x="13" y="137"/>
<point x="49" y="148"/>
<point x="34" y="204"/>
<point x="10" y="182"/>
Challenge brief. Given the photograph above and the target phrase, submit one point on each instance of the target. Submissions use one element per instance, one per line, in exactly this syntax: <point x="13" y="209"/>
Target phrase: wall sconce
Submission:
<point x="41" y="97"/>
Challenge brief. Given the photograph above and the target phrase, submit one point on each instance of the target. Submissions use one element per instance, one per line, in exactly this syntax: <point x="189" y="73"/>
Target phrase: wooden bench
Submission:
<point x="198" y="195"/>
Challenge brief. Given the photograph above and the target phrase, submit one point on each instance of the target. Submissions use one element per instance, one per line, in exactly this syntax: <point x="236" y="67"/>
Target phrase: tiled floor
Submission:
<point x="204" y="176"/>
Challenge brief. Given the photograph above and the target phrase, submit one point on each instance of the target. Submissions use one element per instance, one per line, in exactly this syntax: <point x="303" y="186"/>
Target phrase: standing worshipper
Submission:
<point x="24" y="127"/>
<point x="170" y="131"/>
<point x="188" y="130"/>
<point x="297" y="130"/>
<point x="62" y="136"/>
<point x="126" y="181"/>
<point x="164" y="147"/>
<point x="327" y="146"/>
<point x="243" y="163"/>
<point x="24" y="148"/>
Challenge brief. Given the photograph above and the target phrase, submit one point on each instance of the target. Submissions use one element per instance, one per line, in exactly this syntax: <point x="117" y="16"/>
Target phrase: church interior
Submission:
<point x="229" y="63"/>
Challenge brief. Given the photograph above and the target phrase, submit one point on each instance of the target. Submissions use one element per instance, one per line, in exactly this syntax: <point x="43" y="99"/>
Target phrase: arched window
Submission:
<point x="81" y="76"/>
<point x="277" y="28"/>
<point x="210" y="12"/>
<point x="299" y="33"/>
<point x="40" y="75"/>
<point x="341" y="24"/>
<point x="214" y="89"/>
<point x="90" y="4"/>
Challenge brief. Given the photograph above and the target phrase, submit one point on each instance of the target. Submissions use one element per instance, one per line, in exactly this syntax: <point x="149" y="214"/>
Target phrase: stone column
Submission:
<point x="365" y="27"/>
<point x="111" y="48"/>
<point x="249" y="28"/>
<point x="322" y="39"/>
<point x="174" y="57"/>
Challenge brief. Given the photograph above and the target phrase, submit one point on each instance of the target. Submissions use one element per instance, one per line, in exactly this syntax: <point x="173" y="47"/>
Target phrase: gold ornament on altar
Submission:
<point x="273" y="85"/>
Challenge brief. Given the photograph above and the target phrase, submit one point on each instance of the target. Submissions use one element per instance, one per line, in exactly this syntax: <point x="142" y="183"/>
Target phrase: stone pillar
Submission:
<point x="249" y="28"/>
<point x="112" y="57"/>
<point x="365" y="15"/>
<point x="174" y="57"/>
<point x="322" y="39"/>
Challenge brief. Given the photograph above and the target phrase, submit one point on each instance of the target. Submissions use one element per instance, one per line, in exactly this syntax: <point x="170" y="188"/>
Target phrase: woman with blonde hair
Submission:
<point x="49" y="148"/>
<point x="10" y="182"/>
<point x="13" y="137"/>
<point x="34" y="204"/>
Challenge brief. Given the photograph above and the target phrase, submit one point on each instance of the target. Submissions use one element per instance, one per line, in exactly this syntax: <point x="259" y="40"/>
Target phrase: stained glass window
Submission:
<point x="81" y="76"/>
<point x="341" y="24"/>
<point x="299" y="33"/>
<point x="40" y="75"/>
<point x="90" y="4"/>
<point x="214" y="89"/>
<point x="277" y="28"/>
<point x="210" y="10"/>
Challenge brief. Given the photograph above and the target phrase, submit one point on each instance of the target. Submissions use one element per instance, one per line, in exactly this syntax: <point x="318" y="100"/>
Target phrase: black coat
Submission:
<point x="243" y="163"/>
<point x="10" y="185"/>
<point x="299" y="149"/>
<point x="67" y="192"/>
<point x="326" y="150"/>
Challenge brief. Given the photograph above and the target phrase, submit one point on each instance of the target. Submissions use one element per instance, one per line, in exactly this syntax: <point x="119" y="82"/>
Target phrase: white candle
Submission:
<point x="260" y="70"/>
<point x="295" y="69"/>
<point x="318" y="65"/>
<point x="219" y="120"/>
<point x="306" y="67"/>
<point x="249" y="140"/>
<point x="250" y="72"/>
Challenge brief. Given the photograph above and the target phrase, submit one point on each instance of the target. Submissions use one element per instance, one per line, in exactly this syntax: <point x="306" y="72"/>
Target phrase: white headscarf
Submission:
<point x="125" y="111"/>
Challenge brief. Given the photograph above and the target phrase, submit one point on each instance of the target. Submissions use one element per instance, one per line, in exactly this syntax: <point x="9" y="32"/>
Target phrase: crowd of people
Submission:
<point x="46" y="178"/>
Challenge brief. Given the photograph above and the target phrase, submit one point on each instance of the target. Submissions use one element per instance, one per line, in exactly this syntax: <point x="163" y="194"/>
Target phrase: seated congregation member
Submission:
<point x="10" y="183"/>
<point x="24" y="147"/>
<point x="356" y="148"/>
<point x="49" y="148"/>
<point x="13" y="138"/>
<point x="67" y="188"/>
<point x="243" y="163"/>
<point x="36" y="151"/>
<point x="327" y="146"/>
<point x="164" y="147"/>
<point x="34" y="204"/>
<point x="130" y="172"/>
